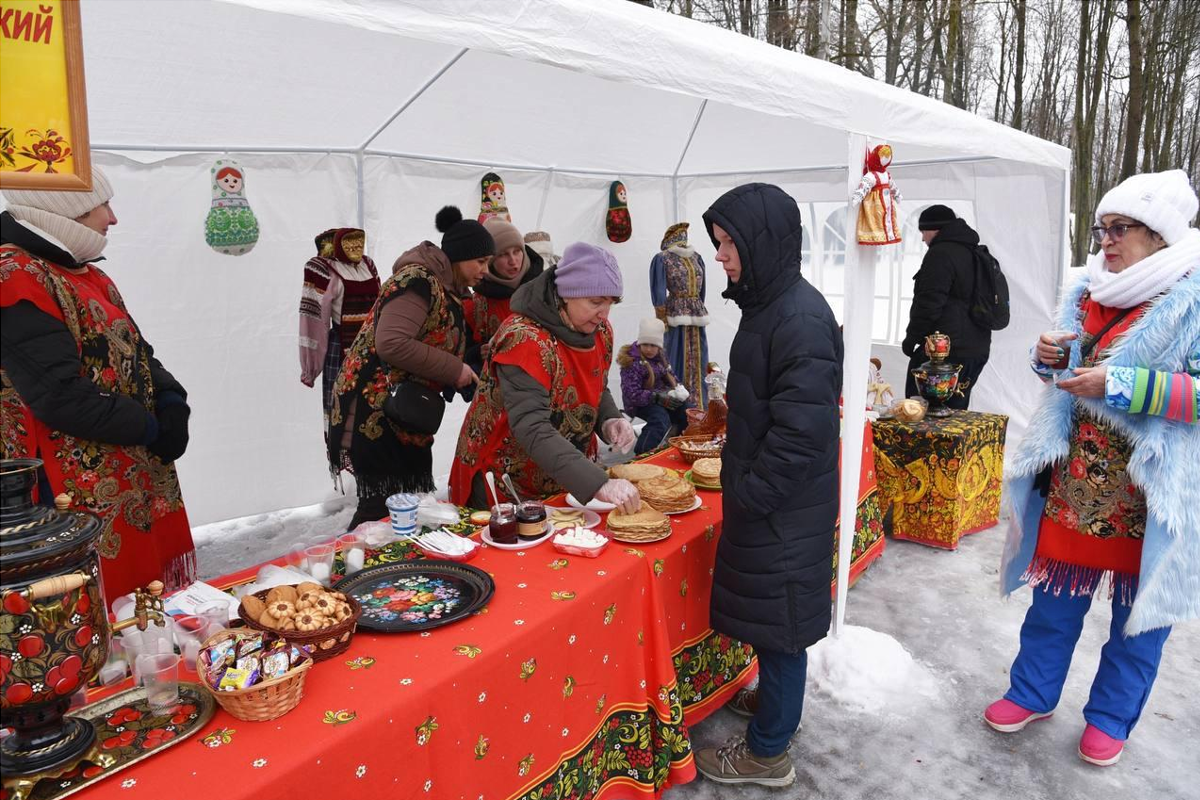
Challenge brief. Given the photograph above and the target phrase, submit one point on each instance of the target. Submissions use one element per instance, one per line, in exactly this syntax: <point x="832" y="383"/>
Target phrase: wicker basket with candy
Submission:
<point x="254" y="675"/>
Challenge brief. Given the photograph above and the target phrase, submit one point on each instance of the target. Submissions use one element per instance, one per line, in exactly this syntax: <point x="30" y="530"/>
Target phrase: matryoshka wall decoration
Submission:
<point x="231" y="227"/>
<point x="492" y="199"/>
<point x="617" y="223"/>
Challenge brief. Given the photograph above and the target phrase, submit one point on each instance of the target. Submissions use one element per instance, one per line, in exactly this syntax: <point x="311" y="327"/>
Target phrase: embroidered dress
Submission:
<point x="574" y="380"/>
<point x="385" y="458"/>
<point x="677" y="286"/>
<point x="1095" y="517"/>
<point x="146" y="534"/>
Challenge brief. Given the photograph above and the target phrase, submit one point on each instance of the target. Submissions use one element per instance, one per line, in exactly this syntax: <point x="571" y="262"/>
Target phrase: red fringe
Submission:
<point x="1080" y="581"/>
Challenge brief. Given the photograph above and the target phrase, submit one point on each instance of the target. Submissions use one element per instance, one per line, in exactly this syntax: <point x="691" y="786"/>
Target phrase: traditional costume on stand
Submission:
<point x="878" y="200"/>
<point x="339" y="291"/>
<point x="677" y="291"/>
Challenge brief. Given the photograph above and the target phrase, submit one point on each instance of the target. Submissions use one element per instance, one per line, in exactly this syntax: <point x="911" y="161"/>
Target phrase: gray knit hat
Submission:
<point x="71" y="205"/>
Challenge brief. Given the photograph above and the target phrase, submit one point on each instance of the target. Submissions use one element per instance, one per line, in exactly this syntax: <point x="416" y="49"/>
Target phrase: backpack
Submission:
<point x="989" y="300"/>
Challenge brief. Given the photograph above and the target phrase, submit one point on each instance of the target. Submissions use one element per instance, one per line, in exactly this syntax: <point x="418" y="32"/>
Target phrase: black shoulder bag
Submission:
<point x="414" y="407"/>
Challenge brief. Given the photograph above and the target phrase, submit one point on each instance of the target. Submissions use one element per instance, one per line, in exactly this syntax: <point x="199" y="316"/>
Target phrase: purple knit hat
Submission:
<point x="588" y="271"/>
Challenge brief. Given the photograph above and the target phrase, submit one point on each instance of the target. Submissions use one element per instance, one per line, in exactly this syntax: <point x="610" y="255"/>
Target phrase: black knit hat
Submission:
<point x="935" y="218"/>
<point x="463" y="239"/>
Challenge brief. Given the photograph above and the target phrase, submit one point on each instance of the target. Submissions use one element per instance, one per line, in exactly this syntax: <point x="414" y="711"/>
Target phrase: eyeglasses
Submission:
<point x="1114" y="232"/>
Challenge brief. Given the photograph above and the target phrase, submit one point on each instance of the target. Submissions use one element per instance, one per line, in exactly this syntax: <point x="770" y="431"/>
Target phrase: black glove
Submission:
<point x="667" y="401"/>
<point x="172" y="438"/>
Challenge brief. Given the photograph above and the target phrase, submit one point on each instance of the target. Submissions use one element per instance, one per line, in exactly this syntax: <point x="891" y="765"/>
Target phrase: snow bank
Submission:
<point x="868" y="671"/>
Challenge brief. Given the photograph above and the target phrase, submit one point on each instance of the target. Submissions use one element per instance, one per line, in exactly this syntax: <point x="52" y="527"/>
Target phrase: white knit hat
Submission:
<point x="1162" y="201"/>
<point x="71" y="205"/>
<point x="650" y="331"/>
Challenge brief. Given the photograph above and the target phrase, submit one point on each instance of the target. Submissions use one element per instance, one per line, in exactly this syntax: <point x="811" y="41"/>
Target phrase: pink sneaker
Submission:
<point x="1008" y="717"/>
<point x="1097" y="747"/>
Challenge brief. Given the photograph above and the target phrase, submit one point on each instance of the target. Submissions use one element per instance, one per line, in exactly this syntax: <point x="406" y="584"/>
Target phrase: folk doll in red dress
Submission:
<point x="81" y="390"/>
<point x="543" y="396"/>
<point x="878" y="200"/>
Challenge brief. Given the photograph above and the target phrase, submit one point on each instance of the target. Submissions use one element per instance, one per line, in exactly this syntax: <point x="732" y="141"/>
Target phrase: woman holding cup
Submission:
<point x="1101" y="489"/>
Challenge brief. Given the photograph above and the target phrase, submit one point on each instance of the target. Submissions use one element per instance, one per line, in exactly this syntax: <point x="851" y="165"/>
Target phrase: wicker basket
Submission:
<point x="326" y="642"/>
<point x="690" y="447"/>
<point x="269" y="699"/>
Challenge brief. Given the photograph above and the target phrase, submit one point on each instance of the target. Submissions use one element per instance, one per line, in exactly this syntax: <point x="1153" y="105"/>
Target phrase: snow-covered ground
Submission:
<point x="900" y="718"/>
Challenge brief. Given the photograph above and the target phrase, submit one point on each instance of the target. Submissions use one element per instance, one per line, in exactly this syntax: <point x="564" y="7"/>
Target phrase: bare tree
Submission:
<point x="1133" y="120"/>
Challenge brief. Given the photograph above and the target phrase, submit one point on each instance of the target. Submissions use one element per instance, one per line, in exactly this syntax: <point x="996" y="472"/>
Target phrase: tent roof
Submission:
<point x="598" y="86"/>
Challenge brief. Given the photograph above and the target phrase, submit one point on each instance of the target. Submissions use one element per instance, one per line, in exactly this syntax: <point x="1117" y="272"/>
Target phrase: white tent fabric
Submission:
<point x="381" y="111"/>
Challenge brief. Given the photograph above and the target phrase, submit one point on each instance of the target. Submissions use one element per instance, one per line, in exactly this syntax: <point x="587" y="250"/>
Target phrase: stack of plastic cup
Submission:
<point x="402" y="508"/>
<point x="354" y="552"/>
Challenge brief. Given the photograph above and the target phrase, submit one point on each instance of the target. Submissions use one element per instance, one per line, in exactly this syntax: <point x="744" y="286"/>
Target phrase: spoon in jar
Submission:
<point x="508" y="483"/>
<point x="490" y="477"/>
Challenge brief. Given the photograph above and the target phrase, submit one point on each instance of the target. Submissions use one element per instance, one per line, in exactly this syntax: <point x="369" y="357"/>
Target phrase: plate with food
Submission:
<point x="699" y="484"/>
<point x="562" y="518"/>
<point x="591" y="505"/>
<point x="520" y="544"/>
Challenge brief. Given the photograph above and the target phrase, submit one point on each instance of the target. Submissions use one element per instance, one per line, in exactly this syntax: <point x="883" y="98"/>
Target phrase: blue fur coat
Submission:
<point x="1164" y="463"/>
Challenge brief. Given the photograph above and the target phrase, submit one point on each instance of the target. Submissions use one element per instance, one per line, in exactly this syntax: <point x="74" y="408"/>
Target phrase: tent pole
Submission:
<point x="545" y="195"/>
<point x="413" y="98"/>
<point x="831" y="167"/>
<point x="859" y="298"/>
<point x="362" y="193"/>
<point x="682" y="155"/>
<point x="608" y="173"/>
<point x="185" y="149"/>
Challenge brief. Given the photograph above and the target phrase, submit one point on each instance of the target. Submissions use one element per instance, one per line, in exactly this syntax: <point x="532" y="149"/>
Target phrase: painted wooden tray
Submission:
<point x="417" y="595"/>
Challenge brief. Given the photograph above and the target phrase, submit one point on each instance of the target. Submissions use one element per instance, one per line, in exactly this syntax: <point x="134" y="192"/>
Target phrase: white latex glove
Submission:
<point x="619" y="434"/>
<point x="621" y="493"/>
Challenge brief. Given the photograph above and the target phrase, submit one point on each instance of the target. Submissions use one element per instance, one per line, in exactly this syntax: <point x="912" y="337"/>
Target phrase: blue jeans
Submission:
<point x="658" y="421"/>
<point x="781" y="678"/>
<point x="1123" y="680"/>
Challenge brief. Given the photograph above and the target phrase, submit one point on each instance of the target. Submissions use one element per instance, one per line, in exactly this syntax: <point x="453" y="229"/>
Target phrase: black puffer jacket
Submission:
<point x="780" y="471"/>
<point x="942" y="295"/>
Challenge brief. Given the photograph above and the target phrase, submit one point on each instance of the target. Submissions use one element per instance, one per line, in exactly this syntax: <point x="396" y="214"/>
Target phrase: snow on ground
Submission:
<point x="894" y="710"/>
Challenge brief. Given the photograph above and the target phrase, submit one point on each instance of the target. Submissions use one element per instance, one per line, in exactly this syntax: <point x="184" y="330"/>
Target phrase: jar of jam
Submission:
<point x="531" y="520"/>
<point x="503" y="525"/>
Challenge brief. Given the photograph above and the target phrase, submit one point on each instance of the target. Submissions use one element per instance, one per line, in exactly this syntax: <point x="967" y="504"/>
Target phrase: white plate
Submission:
<point x="696" y="504"/>
<point x="590" y="518"/>
<point x="486" y="536"/>
<point x="593" y="505"/>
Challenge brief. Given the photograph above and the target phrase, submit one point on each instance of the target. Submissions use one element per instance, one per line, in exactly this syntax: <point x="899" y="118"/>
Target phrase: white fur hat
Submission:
<point x="650" y="331"/>
<point x="1162" y="201"/>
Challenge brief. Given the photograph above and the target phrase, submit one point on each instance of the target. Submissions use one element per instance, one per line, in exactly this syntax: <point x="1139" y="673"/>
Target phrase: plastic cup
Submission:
<point x="190" y="633"/>
<point x="153" y="641"/>
<point x="216" y="615"/>
<point x="295" y="557"/>
<point x="354" y="551"/>
<point x="160" y="676"/>
<point x="1061" y="338"/>
<point x="320" y="563"/>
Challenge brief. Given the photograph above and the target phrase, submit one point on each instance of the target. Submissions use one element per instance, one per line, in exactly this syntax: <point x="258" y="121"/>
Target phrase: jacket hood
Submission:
<point x="430" y="256"/>
<point x="538" y="299"/>
<point x="958" y="232"/>
<point x="501" y="291"/>
<point x="764" y="223"/>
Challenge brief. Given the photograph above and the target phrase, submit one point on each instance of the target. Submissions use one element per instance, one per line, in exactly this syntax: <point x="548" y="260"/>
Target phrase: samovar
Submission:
<point x="54" y="629"/>
<point x="937" y="379"/>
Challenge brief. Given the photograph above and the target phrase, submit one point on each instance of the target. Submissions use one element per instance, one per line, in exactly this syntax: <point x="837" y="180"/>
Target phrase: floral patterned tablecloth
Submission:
<point x="579" y="680"/>
<point x="941" y="476"/>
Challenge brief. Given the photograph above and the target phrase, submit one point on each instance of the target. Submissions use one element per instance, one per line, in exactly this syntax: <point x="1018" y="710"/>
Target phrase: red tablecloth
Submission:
<point x="573" y="682"/>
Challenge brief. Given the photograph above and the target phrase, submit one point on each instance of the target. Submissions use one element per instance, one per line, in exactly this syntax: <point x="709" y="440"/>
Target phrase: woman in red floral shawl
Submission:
<point x="543" y="396"/>
<point x="81" y="390"/>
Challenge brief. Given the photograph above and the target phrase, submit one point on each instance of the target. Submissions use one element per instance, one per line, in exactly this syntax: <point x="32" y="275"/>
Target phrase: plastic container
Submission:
<point x="402" y="508"/>
<point x="586" y="552"/>
<point x="438" y="554"/>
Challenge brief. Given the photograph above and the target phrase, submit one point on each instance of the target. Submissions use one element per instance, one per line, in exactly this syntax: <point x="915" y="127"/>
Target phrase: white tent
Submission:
<point x="381" y="111"/>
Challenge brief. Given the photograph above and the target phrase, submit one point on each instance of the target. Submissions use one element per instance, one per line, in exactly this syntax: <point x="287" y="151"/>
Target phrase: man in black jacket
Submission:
<point x="942" y="295"/>
<point x="779" y="474"/>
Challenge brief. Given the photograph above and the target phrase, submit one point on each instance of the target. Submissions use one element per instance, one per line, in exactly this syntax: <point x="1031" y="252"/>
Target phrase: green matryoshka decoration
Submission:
<point x="231" y="227"/>
<point x="617" y="223"/>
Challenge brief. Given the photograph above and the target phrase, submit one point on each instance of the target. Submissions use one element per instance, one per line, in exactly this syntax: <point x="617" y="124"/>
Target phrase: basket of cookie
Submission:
<point x="254" y="675"/>
<point x="307" y="614"/>
<point x="692" y="448"/>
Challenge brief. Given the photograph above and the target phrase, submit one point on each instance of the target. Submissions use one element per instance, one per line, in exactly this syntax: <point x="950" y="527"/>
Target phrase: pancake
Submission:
<point x="636" y="473"/>
<point x="707" y="471"/>
<point x="668" y="492"/>
<point x="564" y="518"/>
<point x="646" y="525"/>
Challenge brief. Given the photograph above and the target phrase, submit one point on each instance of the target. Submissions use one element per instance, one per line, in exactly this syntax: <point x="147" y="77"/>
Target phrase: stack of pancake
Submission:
<point x="707" y="472"/>
<point x="636" y="473"/>
<point x="647" y="525"/>
<point x="668" y="492"/>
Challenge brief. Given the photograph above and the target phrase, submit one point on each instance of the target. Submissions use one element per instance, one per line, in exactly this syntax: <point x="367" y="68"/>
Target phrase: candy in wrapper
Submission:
<point x="214" y="675"/>
<point x="221" y="654"/>
<point x="275" y="665"/>
<point x="298" y="653"/>
<point x="249" y="644"/>
<point x="251" y="663"/>
<point x="235" y="678"/>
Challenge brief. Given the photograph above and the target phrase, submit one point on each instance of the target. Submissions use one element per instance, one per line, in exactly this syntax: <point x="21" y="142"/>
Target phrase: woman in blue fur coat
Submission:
<point x="1103" y="489"/>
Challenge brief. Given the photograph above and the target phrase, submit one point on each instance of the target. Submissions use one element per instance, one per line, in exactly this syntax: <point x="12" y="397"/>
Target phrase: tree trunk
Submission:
<point x="1137" y="90"/>
<point x="1081" y="154"/>
<point x="850" y="25"/>
<point x="954" y="22"/>
<point x="1019" y="67"/>
<point x="824" y="31"/>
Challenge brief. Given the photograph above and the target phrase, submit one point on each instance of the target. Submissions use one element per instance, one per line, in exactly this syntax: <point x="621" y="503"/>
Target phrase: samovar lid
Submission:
<point x="33" y="533"/>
